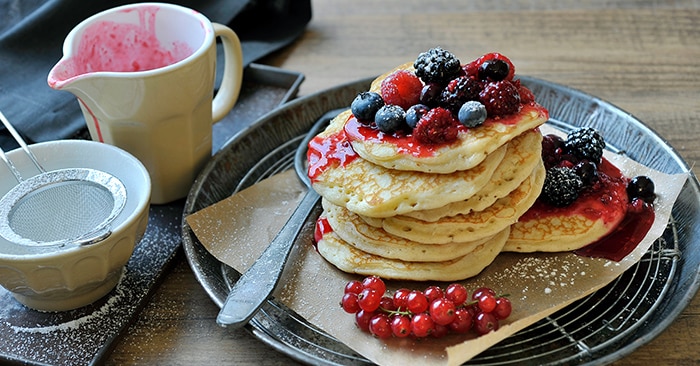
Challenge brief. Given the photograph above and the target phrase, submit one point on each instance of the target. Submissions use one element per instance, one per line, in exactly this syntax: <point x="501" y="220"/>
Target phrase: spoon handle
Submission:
<point x="256" y="285"/>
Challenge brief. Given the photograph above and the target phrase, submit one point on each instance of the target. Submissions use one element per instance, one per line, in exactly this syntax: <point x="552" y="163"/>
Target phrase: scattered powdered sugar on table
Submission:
<point x="77" y="337"/>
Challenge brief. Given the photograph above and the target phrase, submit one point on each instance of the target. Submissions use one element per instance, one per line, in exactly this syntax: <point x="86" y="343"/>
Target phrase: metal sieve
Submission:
<point x="58" y="207"/>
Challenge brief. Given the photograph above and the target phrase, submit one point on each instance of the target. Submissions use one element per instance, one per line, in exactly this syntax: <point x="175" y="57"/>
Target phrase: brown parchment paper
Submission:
<point x="236" y="230"/>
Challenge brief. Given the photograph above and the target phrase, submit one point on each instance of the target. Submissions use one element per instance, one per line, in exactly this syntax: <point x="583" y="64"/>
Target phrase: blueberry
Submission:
<point x="588" y="171"/>
<point x="366" y="105"/>
<point x="390" y="118"/>
<point x="472" y="114"/>
<point x="641" y="187"/>
<point x="494" y="69"/>
<point x="430" y="94"/>
<point x="414" y="113"/>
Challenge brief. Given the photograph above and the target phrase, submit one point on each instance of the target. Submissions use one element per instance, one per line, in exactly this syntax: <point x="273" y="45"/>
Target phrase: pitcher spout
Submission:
<point x="63" y="76"/>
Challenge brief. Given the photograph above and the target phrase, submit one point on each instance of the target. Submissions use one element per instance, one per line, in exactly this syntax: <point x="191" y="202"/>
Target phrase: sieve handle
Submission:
<point x="11" y="166"/>
<point x="21" y="143"/>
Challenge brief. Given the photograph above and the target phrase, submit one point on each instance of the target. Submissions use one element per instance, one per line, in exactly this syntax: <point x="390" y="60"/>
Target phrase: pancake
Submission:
<point x="472" y="146"/>
<point x="473" y="226"/>
<point x="375" y="191"/>
<point x="355" y="232"/>
<point x="522" y="156"/>
<point x="593" y="215"/>
<point x="352" y="260"/>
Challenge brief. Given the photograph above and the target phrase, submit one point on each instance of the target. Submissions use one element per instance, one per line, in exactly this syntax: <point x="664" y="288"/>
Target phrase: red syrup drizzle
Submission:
<point x="404" y="142"/>
<point x="617" y="244"/>
<point x="328" y="151"/>
<point x="323" y="227"/>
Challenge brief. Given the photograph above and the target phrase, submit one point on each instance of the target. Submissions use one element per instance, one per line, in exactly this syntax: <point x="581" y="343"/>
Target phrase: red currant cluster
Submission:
<point x="433" y="312"/>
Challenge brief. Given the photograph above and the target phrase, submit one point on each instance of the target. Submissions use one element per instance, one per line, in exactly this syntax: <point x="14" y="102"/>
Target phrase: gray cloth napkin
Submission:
<point x="31" y="41"/>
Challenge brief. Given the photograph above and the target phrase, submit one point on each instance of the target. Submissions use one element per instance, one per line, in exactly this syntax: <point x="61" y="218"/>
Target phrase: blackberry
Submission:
<point x="586" y="144"/>
<point x="437" y="65"/>
<point x="366" y="105"/>
<point x="459" y="91"/>
<point x="390" y="118"/>
<point x="562" y="187"/>
<point x="472" y="114"/>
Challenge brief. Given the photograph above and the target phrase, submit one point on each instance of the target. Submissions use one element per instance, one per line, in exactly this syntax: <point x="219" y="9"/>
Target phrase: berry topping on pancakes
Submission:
<point x="482" y="89"/>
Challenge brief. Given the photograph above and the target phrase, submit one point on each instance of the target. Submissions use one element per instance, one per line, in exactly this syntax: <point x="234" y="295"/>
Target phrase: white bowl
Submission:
<point x="58" y="279"/>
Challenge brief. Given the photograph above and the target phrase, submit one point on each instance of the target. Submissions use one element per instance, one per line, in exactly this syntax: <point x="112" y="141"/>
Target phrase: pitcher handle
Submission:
<point x="230" y="88"/>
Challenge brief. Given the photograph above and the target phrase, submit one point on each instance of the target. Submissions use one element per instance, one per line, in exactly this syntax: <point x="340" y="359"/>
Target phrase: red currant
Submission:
<point x="416" y="302"/>
<point x="380" y="326"/>
<point x="374" y="283"/>
<point x="349" y="303"/>
<point x="433" y="293"/>
<point x="387" y="304"/>
<point x="422" y="325"/>
<point x="401" y="298"/>
<point x="503" y="308"/>
<point x="362" y="319"/>
<point x="369" y="299"/>
<point x="456" y="293"/>
<point x="485" y="322"/>
<point x="487" y="303"/>
<point x="353" y="287"/>
<point x="401" y="326"/>
<point x="442" y="311"/>
<point x="481" y="291"/>
<point x="462" y="322"/>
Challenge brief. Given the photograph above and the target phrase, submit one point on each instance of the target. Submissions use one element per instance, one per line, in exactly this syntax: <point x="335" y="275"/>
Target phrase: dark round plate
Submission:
<point x="598" y="329"/>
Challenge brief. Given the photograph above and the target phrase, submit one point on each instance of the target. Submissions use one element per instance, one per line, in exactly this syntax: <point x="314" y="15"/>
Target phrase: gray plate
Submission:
<point x="598" y="329"/>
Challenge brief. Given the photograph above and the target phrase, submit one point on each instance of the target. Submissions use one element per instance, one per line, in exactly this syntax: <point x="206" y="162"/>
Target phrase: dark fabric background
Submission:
<point x="31" y="41"/>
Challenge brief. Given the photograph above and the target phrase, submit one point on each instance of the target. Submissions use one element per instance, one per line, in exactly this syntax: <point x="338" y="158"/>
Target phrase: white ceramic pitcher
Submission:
<point x="144" y="77"/>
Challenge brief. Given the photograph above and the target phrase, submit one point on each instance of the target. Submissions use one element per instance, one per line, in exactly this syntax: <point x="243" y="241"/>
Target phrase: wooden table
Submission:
<point x="643" y="56"/>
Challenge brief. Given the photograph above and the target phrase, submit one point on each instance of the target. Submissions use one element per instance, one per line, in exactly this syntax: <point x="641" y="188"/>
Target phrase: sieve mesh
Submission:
<point x="61" y="211"/>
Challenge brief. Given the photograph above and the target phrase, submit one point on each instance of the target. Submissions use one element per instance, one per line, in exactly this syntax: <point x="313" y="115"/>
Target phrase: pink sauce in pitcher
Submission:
<point x="121" y="47"/>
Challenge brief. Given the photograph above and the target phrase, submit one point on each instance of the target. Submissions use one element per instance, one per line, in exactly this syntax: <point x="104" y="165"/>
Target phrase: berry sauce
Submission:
<point x="606" y="199"/>
<point x="406" y="144"/>
<point x="620" y="242"/>
<point x="323" y="227"/>
<point x="327" y="151"/>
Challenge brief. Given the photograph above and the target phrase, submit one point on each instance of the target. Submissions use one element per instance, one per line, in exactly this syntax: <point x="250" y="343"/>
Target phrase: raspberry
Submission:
<point x="526" y="95"/>
<point x="459" y="91"/>
<point x="501" y="98"/>
<point x="366" y="105"/>
<point x="562" y="187"/>
<point x="550" y="145"/>
<point x="437" y="65"/>
<point x="436" y="127"/>
<point x="402" y="88"/>
<point x="586" y="144"/>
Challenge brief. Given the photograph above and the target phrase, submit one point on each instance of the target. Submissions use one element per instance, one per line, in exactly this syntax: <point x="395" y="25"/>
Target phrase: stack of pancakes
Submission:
<point x="443" y="216"/>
